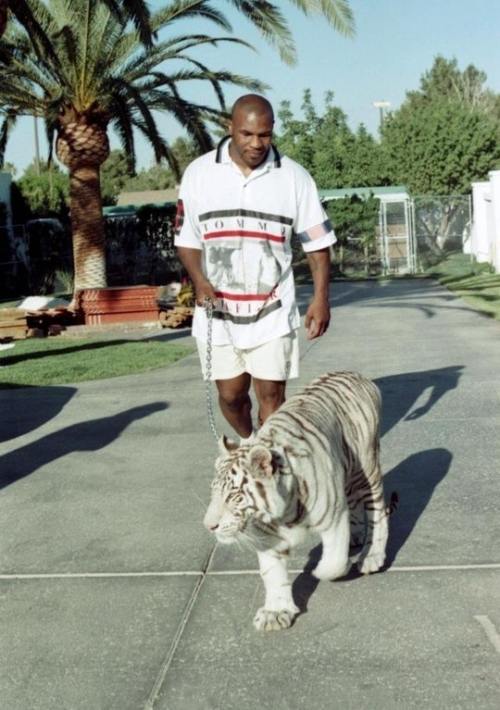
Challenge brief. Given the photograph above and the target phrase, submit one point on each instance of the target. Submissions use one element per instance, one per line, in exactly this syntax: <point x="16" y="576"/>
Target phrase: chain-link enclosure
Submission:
<point x="440" y="225"/>
<point x="409" y="234"/>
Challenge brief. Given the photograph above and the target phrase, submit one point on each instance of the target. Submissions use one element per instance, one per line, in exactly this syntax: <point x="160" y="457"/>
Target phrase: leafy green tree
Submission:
<point x="445" y="81"/>
<point x="325" y="145"/>
<point x="365" y="161"/>
<point x="185" y="151"/>
<point x="10" y="168"/>
<point x="355" y="219"/>
<point x="45" y="190"/>
<point x="439" y="148"/>
<point x="100" y="75"/>
<point x="114" y="175"/>
<point x="156" y="177"/>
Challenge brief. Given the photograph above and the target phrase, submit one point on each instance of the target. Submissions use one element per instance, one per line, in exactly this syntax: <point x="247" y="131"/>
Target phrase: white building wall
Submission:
<point x="495" y="232"/>
<point x="481" y="225"/>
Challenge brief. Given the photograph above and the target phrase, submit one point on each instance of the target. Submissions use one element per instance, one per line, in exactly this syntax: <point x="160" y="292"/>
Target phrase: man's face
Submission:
<point x="251" y="134"/>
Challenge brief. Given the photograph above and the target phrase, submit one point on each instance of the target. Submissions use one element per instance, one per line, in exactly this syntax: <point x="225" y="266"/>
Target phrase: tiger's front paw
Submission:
<point x="371" y="563"/>
<point x="266" y="620"/>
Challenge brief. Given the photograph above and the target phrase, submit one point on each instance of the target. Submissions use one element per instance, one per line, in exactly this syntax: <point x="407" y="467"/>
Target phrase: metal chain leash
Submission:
<point x="209" y="308"/>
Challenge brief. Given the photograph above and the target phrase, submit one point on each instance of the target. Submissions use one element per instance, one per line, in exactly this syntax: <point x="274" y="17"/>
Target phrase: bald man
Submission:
<point x="239" y="206"/>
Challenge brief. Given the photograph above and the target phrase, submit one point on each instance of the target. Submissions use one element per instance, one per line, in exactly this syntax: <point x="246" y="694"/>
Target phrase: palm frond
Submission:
<point x="272" y="25"/>
<point x="337" y="12"/>
<point x="136" y="11"/>
<point x="33" y="16"/>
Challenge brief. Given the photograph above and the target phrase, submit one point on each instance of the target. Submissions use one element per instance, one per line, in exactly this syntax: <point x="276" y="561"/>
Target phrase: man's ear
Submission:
<point x="260" y="461"/>
<point x="226" y="445"/>
<point x="230" y="128"/>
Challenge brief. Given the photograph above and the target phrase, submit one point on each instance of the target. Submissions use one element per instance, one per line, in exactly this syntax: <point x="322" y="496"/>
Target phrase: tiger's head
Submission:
<point x="248" y="492"/>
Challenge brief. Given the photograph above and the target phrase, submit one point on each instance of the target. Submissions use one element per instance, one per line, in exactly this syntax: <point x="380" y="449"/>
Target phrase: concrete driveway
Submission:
<point x="113" y="596"/>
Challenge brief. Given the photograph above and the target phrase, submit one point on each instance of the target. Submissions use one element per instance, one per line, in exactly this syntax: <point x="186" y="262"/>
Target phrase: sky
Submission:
<point x="395" y="43"/>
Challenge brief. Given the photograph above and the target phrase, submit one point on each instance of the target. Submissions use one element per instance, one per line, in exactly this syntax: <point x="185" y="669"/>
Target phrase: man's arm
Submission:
<point x="191" y="260"/>
<point x="318" y="314"/>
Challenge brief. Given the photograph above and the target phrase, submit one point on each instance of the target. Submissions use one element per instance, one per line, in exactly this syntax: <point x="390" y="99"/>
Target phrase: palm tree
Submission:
<point x="25" y="12"/>
<point x="100" y="75"/>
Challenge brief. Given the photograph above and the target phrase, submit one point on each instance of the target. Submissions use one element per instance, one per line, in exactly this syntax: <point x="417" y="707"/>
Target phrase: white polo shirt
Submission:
<point x="244" y="226"/>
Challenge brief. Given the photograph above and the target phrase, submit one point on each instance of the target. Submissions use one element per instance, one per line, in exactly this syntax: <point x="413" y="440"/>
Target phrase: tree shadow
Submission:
<point x="401" y="392"/>
<point x="84" y="436"/>
<point x="401" y="293"/>
<point x="29" y="408"/>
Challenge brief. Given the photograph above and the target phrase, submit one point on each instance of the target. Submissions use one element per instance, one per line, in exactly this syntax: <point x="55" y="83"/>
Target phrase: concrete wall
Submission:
<point x="485" y="237"/>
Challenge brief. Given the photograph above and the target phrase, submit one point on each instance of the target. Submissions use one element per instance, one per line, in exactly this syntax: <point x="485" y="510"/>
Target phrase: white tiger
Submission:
<point x="313" y="466"/>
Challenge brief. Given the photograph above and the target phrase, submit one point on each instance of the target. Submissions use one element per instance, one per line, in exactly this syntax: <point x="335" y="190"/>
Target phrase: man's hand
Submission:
<point x="317" y="318"/>
<point x="203" y="290"/>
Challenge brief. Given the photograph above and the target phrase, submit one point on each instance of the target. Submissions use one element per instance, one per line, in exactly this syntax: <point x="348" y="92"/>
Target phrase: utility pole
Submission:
<point x="381" y="105"/>
<point x="37" y="147"/>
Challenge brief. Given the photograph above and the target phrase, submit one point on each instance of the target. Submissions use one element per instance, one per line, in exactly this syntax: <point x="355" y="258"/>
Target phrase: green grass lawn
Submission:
<point x="59" y="360"/>
<point x="475" y="283"/>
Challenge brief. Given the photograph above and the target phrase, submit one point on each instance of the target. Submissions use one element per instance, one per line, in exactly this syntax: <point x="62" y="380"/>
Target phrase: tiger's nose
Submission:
<point x="210" y="523"/>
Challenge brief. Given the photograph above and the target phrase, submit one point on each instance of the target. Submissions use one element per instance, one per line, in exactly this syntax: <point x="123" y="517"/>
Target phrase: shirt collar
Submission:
<point x="222" y="154"/>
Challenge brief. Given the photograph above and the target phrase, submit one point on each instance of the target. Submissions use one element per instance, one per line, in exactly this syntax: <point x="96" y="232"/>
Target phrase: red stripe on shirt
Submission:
<point x="244" y="233"/>
<point x="243" y="296"/>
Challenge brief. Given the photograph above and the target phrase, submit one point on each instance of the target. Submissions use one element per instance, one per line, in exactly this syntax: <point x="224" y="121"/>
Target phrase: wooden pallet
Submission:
<point x="13" y="324"/>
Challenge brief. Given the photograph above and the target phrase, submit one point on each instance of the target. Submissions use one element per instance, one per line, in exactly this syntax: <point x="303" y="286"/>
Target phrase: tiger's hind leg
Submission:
<point x="357" y="519"/>
<point x="372" y="556"/>
<point x="335" y="561"/>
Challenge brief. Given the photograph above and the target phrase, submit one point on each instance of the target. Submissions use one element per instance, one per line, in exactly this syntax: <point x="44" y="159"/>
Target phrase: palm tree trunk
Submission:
<point x="3" y="16"/>
<point x="88" y="228"/>
<point x="82" y="145"/>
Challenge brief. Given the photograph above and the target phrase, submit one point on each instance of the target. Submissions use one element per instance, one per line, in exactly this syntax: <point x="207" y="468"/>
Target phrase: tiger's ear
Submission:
<point x="226" y="445"/>
<point x="260" y="461"/>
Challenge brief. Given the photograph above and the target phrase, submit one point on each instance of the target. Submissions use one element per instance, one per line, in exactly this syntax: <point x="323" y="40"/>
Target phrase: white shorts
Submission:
<point x="275" y="360"/>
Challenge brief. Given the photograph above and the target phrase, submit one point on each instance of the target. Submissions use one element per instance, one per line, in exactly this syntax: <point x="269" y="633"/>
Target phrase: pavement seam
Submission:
<point x="489" y="630"/>
<point x="220" y="573"/>
<point x="162" y="674"/>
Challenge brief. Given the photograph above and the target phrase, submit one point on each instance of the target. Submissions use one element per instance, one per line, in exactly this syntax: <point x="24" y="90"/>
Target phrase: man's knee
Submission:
<point x="271" y="396"/>
<point x="233" y="397"/>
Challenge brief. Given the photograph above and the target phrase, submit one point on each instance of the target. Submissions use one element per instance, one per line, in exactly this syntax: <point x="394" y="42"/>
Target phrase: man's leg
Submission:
<point x="270" y="395"/>
<point x="235" y="403"/>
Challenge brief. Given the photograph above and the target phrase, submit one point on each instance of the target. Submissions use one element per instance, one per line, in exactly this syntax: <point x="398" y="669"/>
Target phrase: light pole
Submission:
<point x="381" y="105"/>
<point x="37" y="147"/>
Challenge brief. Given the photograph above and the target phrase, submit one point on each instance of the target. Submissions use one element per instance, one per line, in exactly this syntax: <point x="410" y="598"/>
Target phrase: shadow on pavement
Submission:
<point x="28" y="411"/>
<point x="403" y="293"/>
<point x="401" y="392"/>
<point x="84" y="436"/>
<point x="415" y="480"/>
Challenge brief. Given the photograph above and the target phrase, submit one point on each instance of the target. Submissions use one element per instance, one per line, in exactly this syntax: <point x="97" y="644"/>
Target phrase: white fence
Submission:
<point x="485" y="237"/>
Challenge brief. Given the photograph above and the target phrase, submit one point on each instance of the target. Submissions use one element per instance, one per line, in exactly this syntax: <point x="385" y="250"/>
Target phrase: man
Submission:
<point x="238" y="208"/>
